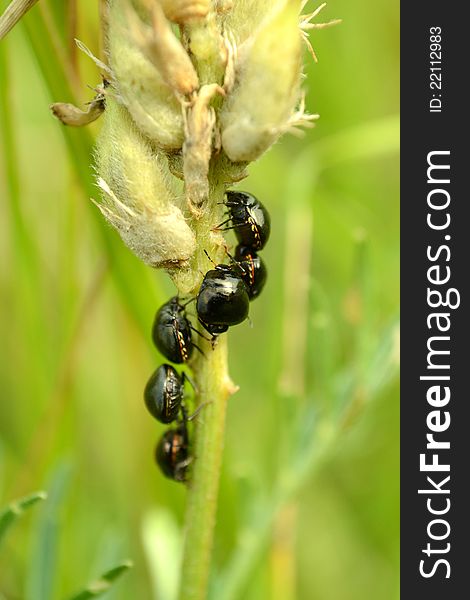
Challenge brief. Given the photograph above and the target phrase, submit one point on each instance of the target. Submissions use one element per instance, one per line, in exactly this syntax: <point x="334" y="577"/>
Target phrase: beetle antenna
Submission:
<point x="210" y="259"/>
<point x="220" y="225"/>
<point x="188" y="302"/>
<point x="236" y="263"/>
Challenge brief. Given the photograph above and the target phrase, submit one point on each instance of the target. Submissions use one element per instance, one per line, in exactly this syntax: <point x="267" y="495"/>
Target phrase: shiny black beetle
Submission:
<point x="172" y="453"/>
<point x="249" y="219"/>
<point x="164" y="392"/>
<point x="223" y="299"/>
<point x="252" y="270"/>
<point x="171" y="332"/>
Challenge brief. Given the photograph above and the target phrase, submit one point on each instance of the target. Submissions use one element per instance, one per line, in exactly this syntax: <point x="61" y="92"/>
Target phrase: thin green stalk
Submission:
<point x="215" y="388"/>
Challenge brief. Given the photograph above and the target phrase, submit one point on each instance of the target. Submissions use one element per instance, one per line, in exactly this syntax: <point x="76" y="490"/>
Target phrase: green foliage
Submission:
<point x="104" y="583"/>
<point x="309" y="493"/>
<point x="43" y="571"/>
<point x="10" y="514"/>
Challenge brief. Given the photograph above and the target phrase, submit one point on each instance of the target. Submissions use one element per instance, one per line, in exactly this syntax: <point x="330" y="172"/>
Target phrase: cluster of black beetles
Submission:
<point x="223" y="300"/>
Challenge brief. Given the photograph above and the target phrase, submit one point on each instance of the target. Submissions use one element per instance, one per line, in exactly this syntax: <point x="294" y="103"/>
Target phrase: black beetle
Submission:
<point x="171" y="332"/>
<point x="252" y="269"/>
<point x="223" y="299"/>
<point x="164" y="393"/>
<point x="172" y="453"/>
<point x="249" y="218"/>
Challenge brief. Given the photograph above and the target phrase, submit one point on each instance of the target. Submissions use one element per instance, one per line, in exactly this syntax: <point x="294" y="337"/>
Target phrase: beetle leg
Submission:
<point x="197" y="411"/>
<point x="199" y="333"/>
<point x="218" y="227"/>
<point x="180" y="469"/>
<point x="186" y="377"/>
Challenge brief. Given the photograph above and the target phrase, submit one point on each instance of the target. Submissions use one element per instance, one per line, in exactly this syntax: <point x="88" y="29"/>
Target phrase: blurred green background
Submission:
<point x="309" y="499"/>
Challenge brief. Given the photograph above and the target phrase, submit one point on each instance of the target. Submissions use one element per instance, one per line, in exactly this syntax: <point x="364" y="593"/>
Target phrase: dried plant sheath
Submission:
<point x="13" y="13"/>
<point x="160" y="45"/>
<point x="197" y="149"/>
<point x="71" y="115"/>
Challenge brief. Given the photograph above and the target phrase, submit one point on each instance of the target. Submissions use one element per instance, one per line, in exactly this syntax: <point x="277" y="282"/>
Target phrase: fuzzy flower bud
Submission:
<point x="180" y="11"/>
<point x="196" y="103"/>
<point x="245" y="16"/>
<point x="139" y="85"/>
<point x="267" y="86"/>
<point x="138" y="193"/>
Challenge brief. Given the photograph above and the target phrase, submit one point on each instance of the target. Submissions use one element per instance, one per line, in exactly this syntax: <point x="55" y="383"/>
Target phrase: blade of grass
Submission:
<point x="22" y="237"/>
<point x="104" y="583"/>
<point x="322" y="350"/>
<point x="43" y="565"/>
<point x="48" y="427"/>
<point x="24" y="251"/>
<point x="14" y="511"/>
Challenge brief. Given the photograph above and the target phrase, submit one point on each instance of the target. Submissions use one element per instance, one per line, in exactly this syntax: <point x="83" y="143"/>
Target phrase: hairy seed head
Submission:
<point x="246" y="16"/>
<point x="139" y="197"/>
<point x="196" y="103"/>
<point x="267" y="86"/>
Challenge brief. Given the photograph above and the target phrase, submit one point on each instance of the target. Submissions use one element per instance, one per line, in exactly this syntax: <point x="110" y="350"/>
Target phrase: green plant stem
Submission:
<point x="214" y="387"/>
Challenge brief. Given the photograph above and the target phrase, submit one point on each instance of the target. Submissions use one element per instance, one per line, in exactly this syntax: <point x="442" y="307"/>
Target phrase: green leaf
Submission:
<point x="43" y="565"/>
<point x="15" y="510"/>
<point x="104" y="583"/>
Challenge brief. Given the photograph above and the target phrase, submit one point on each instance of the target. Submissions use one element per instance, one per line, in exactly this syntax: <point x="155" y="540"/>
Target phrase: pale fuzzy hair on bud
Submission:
<point x="140" y="87"/>
<point x="138" y="193"/>
<point x="245" y="16"/>
<point x="267" y="86"/>
<point x="180" y="11"/>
